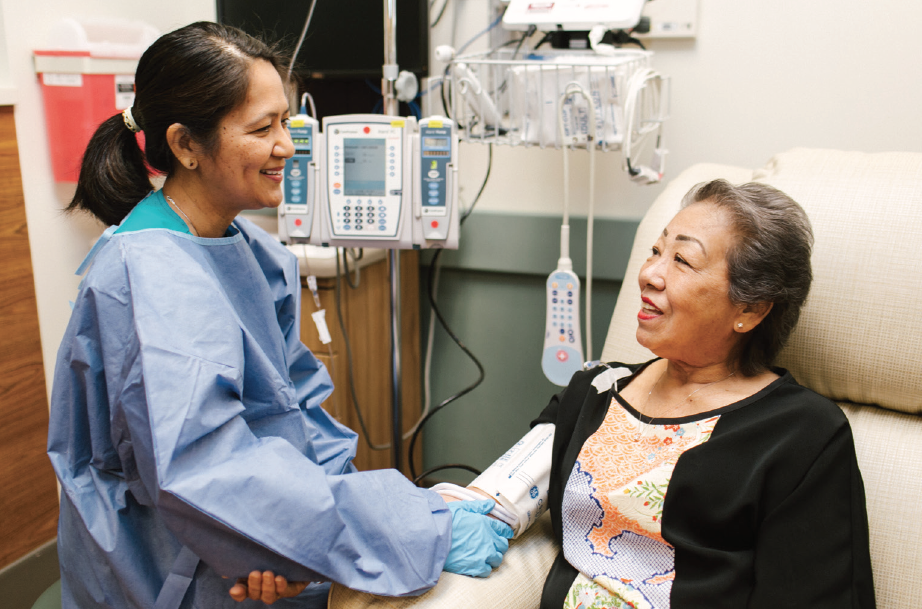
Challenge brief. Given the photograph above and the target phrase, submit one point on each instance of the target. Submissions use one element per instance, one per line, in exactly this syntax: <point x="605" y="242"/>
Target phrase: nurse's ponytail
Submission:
<point x="193" y="76"/>
<point x="113" y="175"/>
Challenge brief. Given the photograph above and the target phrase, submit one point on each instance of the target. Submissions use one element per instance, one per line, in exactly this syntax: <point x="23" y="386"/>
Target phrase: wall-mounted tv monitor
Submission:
<point x="346" y="37"/>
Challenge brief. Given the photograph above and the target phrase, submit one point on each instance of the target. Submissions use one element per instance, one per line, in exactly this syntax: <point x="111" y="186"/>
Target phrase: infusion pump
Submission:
<point x="375" y="181"/>
<point x="300" y="181"/>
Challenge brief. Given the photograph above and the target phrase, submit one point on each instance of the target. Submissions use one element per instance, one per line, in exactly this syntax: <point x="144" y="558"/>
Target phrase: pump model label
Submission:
<point x="298" y="175"/>
<point x="435" y="148"/>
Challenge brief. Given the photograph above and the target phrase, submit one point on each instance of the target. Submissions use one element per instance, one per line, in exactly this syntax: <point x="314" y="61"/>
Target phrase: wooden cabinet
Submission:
<point x="28" y="495"/>
<point x="367" y="319"/>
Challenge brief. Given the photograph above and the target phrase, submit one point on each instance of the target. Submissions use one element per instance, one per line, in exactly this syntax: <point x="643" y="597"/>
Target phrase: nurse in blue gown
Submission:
<point x="186" y="427"/>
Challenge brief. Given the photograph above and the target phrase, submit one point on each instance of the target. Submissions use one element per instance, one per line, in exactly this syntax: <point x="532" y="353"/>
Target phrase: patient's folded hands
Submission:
<point x="478" y="542"/>
<point x="266" y="587"/>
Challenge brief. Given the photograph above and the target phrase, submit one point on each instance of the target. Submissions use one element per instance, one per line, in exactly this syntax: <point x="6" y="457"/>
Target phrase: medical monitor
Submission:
<point x="572" y="15"/>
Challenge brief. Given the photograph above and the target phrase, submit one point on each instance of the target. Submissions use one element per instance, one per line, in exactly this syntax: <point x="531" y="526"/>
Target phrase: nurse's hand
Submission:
<point x="478" y="542"/>
<point x="266" y="587"/>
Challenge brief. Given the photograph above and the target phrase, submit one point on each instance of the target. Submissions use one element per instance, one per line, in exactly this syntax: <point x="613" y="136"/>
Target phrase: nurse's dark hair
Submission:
<point x="768" y="262"/>
<point x="193" y="76"/>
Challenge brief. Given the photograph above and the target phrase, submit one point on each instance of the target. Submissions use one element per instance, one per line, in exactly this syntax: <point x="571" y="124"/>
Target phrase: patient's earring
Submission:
<point x="739" y="325"/>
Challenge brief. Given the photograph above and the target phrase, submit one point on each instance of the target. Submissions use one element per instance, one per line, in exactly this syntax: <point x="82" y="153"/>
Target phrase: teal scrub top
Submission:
<point x="153" y="212"/>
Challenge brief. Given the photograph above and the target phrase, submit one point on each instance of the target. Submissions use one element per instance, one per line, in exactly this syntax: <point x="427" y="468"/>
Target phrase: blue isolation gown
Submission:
<point x="186" y="412"/>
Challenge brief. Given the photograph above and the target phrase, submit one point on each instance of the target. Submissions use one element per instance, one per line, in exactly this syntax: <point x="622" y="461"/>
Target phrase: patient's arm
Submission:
<point x="517" y="482"/>
<point x="266" y="587"/>
<point x="449" y="498"/>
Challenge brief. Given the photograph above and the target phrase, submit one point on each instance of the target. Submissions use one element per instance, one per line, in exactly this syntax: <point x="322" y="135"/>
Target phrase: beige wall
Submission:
<point x="59" y="242"/>
<point x="761" y="77"/>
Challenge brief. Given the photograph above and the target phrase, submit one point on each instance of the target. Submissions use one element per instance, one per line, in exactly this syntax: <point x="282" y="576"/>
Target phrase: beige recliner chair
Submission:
<point x="858" y="342"/>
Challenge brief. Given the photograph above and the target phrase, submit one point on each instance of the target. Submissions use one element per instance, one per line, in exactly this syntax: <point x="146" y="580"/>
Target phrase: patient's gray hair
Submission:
<point x="768" y="262"/>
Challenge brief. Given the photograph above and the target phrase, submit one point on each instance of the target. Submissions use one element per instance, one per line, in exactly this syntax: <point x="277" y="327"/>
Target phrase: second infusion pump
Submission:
<point x="386" y="182"/>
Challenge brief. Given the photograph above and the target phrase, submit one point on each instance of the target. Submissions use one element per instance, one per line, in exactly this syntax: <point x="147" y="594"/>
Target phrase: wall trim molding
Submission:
<point x="24" y="580"/>
<point x="529" y="244"/>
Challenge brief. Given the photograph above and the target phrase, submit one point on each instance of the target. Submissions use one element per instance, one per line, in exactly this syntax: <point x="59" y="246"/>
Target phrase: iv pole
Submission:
<point x="388" y="90"/>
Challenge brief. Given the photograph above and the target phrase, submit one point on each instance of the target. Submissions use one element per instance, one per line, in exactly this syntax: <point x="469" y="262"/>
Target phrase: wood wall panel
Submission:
<point x="28" y="495"/>
<point x="366" y="315"/>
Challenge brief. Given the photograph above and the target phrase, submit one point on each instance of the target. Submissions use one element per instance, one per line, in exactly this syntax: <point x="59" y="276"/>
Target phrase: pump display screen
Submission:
<point x="302" y="143"/>
<point x="364" y="167"/>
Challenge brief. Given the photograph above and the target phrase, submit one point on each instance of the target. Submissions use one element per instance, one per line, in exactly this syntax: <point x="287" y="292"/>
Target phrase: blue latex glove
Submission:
<point x="478" y="542"/>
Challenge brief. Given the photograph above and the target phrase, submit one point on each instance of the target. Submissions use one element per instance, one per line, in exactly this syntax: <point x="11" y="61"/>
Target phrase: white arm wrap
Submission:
<point x="517" y="481"/>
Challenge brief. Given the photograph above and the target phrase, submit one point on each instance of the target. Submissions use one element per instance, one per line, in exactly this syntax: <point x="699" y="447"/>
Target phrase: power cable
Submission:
<point x="307" y="22"/>
<point x="433" y="270"/>
<point x="342" y="327"/>
<point x="441" y="13"/>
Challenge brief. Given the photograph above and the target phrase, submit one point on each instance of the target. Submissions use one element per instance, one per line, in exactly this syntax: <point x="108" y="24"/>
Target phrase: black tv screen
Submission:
<point x="346" y="37"/>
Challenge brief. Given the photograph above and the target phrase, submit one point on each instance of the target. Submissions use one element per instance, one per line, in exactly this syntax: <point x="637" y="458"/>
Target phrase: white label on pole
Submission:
<point x="62" y="80"/>
<point x="124" y="91"/>
<point x="320" y="321"/>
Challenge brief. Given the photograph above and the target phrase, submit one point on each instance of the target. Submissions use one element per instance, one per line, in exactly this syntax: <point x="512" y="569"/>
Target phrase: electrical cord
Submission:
<point x="473" y="470"/>
<point x="441" y="12"/>
<point x="340" y="272"/>
<point x="483" y="185"/>
<point x="480" y="33"/>
<point x="528" y="34"/>
<point x="433" y="270"/>
<point x="575" y="89"/>
<point x="355" y="258"/>
<point x="307" y="22"/>
<point x="463" y="347"/>
<point x="342" y="327"/>
<point x="444" y="80"/>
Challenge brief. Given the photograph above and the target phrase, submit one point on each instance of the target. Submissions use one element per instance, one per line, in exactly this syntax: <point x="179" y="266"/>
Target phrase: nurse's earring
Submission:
<point x="740" y="325"/>
<point x="191" y="165"/>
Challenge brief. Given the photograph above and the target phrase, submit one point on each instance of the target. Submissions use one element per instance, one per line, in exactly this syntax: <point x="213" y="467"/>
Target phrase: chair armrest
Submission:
<point x="515" y="584"/>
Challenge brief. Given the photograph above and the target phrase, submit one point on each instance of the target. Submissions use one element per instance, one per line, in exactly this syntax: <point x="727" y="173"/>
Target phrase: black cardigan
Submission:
<point x="769" y="512"/>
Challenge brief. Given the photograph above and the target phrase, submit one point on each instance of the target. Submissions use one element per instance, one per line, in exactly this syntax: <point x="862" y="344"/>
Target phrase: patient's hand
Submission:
<point x="266" y="587"/>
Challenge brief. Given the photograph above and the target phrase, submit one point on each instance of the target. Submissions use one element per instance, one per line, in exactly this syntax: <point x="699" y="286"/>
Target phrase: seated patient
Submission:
<point x="705" y="477"/>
